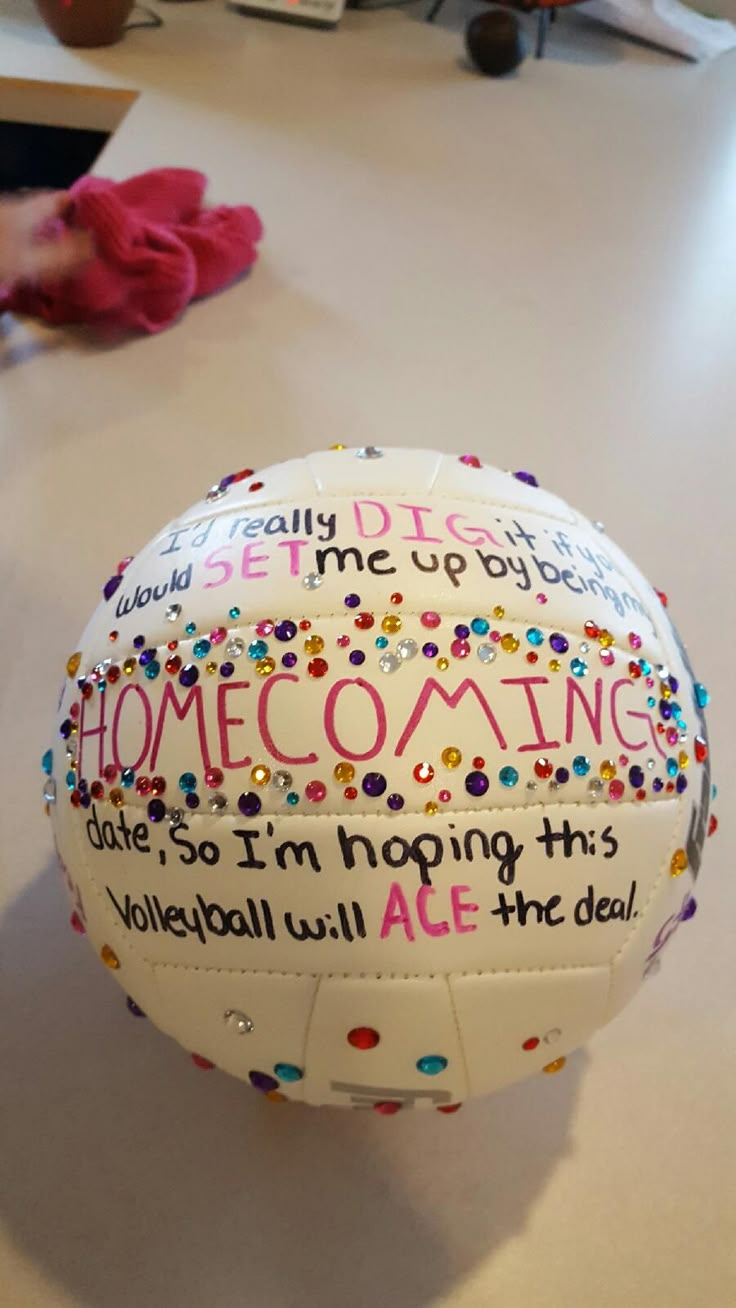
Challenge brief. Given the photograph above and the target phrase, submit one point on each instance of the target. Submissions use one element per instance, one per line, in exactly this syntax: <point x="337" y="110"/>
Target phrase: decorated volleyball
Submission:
<point x="380" y="779"/>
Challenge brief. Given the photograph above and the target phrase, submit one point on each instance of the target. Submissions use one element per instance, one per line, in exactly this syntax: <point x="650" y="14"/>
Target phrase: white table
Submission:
<point x="544" y="266"/>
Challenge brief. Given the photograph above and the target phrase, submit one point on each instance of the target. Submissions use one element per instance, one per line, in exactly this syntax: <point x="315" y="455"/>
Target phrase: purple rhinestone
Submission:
<point x="289" y="659"/>
<point x="395" y="802"/>
<point x="191" y="800"/>
<point x="674" y="684"/>
<point x="109" y="588"/>
<point x="527" y="477"/>
<point x="562" y="775"/>
<point x="82" y="786"/>
<point x="357" y="657"/>
<point x="374" y="784"/>
<point x="65" y="730"/>
<point x="665" y="711"/>
<point x="262" y="1081"/>
<point x="133" y="1008"/>
<point x="462" y="632"/>
<point x="285" y="630"/>
<point x="156" y="810"/>
<point x="430" y="650"/>
<point x="657" y="784"/>
<point x="139" y="641"/>
<point x="226" y="669"/>
<point x="636" y="777"/>
<point x="147" y="656"/>
<point x="189" y="674"/>
<point x="86" y="799"/>
<point x="681" y="783"/>
<point x="688" y="909"/>
<point x="559" y="643"/>
<point x="476" y="783"/>
<point x="249" y="804"/>
<point x="227" y="481"/>
<point x="352" y="601"/>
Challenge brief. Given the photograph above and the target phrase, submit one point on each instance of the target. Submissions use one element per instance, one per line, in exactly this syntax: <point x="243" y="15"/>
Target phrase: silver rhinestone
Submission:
<point x="217" y="802"/>
<point x="651" y="763"/>
<point x="486" y="653"/>
<point x="584" y="647"/>
<point x="234" y="647"/>
<point x="683" y="737"/>
<point x="49" y="791"/>
<point x="281" y="780"/>
<point x="662" y="671"/>
<point x="370" y="452"/>
<point x="175" y="816"/>
<point x="172" y="612"/>
<point x="237" y="1021"/>
<point x="407" y="649"/>
<point x="312" y="581"/>
<point x="71" y="749"/>
<point x="551" y="1037"/>
<point x="216" y="493"/>
<point x="599" y="526"/>
<point x="595" y="786"/>
<point x="102" y="668"/>
<point x="389" y="662"/>
<point x="652" y="968"/>
<point x="554" y="785"/>
<point x="531" y="786"/>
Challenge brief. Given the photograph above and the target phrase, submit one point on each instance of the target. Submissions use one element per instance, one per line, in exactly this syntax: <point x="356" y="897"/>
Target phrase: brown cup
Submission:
<point x="85" y="22"/>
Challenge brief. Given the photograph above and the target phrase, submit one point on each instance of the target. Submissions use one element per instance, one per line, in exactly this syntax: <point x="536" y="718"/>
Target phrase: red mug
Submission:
<point x="86" y="22"/>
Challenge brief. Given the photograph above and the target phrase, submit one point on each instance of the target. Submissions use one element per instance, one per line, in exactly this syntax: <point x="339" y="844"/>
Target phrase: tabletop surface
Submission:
<point x="542" y="270"/>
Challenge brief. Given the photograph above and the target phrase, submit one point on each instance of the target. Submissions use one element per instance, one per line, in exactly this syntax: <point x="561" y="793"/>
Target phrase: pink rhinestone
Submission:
<point x="616" y="790"/>
<point x="541" y="599"/>
<point x="460" y="649"/>
<point x="495" y="636"/>
<point x="623" y="760"/>
<point x="634" y="640"/>
<point x="672" y="735"/>
<point x="430" y="619"/>
<point x="109" y="772"/>
<point x="650" y="682"/>
<point x="606" y="657"/>
<point x="123" y="564"/>
<point x="315" y="791"/>
<point x="264" y="628"/>
<point x="217" y="635"/>
<point x="74" y="711"/>
<point x="444" y="796"/>
<point x="343" y="641"/>
<point x="470" y="460"/>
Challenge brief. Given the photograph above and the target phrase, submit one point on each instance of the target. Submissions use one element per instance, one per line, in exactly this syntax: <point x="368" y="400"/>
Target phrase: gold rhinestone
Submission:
<point x="554" y="665"/>
<point x="665" y="691"/>
<point x="683" y="759"/>
<point x="679" y="863"/>
<point x="430" y="808"/>
<point x="607" y="769"/>
<point x="443" y="664"/>
<point x="337" y="447"/>
<point x="276" y="1097"/>
<point x="264" y="667"/>
<point x="499" y="612"/>
<point x="260" y="775"/>
<point x="72" y="664"/>
<point x="606" y="639"/>
<point x="344" y="773"/>
<point x="555" y="1066"/>
<point x="109" y="958"/>
<point x="314" y="645"/>
<point x="129" y="665"/>
<point x="510" y="642"/>
<point x="117" y="798"/>
<point x="452" y="757"/>
<point x="211" y="667"/>
<point x="391" y="624"/>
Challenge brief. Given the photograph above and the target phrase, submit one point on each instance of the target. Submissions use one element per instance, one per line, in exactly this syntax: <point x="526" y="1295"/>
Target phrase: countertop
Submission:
<point x="543" y="270"/>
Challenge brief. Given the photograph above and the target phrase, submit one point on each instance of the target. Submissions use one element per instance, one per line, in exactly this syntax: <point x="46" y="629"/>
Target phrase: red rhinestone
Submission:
<point x="532" y="657"/>
<point x="75" y="799"/>
<point x="113" y="674"/>
<point x="449" y="1108"/>
<point x="204" y="1063"/>
<point x="387" y="1108"/>
<point x="317" y="667"/>
<point x="363" y="1037"/>
<point x="470" y="460"/>
<point x="592" y="630"/>
<point x="74" y="711"/>
<point x="364" y="621"/>
<point x="670" y="787"/>
<point x="124" y="563"/>
<point x="423" y="772"/>
<point x="712" y="825"/>
<point x="397" y="597"/>
<point x="76" y="924"/>
<point x="479" y="762"/>
<point x="213" y="778"/>
<point x="86" y="690"/>
<point x="543" y="768"/>
<point x="662" y="596"/>
<point x="531" y="1043"/>
<point x="158" y="785"/>
<point x="305" y="624"/>
<point x="97" y="790"/>
<point x="142" y="785"/>
<point x="634" y="669"/>
<point x="701" y="749"/>
<point x="641" y="794"/>
<point x="660" y="728"/>
<point x="350" y="792"/>
<point x="256" y="486"/>
<point x="241" y="476"/>
<point x="112" y="635"/>
<point x="173" y="664"/>
<point x="109" y="772"/>
<point x="172" y="645"/>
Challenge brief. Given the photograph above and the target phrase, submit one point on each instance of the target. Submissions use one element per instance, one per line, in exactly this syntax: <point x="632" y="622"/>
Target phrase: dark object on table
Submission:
<point x="546" y="11"/>
<point x="86" y="22"/>
<point x="495" y="42"/>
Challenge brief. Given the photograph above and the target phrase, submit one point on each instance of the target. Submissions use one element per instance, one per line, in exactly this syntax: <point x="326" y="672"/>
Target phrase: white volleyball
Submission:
<point x="380" y="778"/>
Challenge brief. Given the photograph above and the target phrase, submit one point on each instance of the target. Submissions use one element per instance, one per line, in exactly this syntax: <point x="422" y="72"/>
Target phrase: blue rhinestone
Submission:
<point x="664" y="710"/>
<point x="676" y="710"/>
<point x="82" y="785"/>
<point x="381" y="642"/>
<point x="187" y="782"/>
<point x="258" y="649"/>
<point x="152" y="670"/>
<point x="508" y="776"/>
<point x="71" y="780"/>
<point x="581" y="765"/>
<point x="288" y="1072"/>
<point x="47" y="762"/>
<point x="201" y="648"/>
<point x="651" y="701"/>
<point x="714" y="791"/>
<point x="671" y="767"/>
<point x="127" y="777"/>
<point x="682" y="724"/>
<point x="645" y="667"/>
<point x="480" y="626"/>
<point x="233" y="613"/>
<point x="292" y="799"/>
<point x="535" y="636"/>
<point x="701" y="695"/>
<point x="65" y="730"/>
<point x="190" y="628"/>
<point x="431" y="1064"/>
<point x="578" y="668"/>
<point x="133" y="1008"/>
<point x="101" y="685"/>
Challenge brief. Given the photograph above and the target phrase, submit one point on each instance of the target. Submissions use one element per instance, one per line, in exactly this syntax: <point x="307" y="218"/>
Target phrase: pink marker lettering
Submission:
<point x="358" y="506"/>
<point x="428" y="927"/>
<point x="329" y="719"/>
<point x="628" y="744"/>
<point x="224" y="722"/>
<point x="194" y="697"/>
<point x="479" y="536"/>
<point x="144" y="703"/>
<point x="527" y="682"/>
<point x="264" y="700"/>
<point x="576" y="693"/>
<point x="294" y="547"/>
<point x="416" y="511"/>
<point x="225" y="565"/>
<point x="451" y="700"/>
<point x="248" y="563"/>
<point x="460" y="907"/>
<point x="98" y="731"/>
<point x="396" y="913"/>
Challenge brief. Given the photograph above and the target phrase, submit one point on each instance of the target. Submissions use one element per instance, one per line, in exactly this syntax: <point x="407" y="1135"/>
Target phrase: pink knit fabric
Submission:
<point x="156" y="249"/>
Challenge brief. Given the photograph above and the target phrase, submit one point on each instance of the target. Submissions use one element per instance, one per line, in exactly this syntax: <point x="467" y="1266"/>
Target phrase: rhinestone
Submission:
<point x="238" y="1022"/>
<point x="234" y="647"/>
<point x="217" y="803"/>
<point x="486" y="653"/>
<point x="370" y="452"/>
<point x="176" y="816"/>
<point x="216" y="493"/>
<point x="49" y="791"/>
<point x="431" y="1064"/>
<point x="407" y="649"/>
<point x="389" y="662"/>
<point x="312" y="581"/>
<point x="109" y="958"/>
<point x="555" y="1066"/>
<point x="281" y="780"/>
